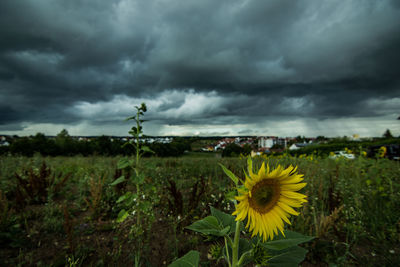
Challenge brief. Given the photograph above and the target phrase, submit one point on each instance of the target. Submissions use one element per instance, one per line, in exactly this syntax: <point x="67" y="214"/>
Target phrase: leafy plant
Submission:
<point x="259" y="196"/>
<point x="96" y="194"/>
<point x="5" y="212"/>
<point x="138" y="202"/>
<point x="69" y="229"/>
<point x="34" y="187"/>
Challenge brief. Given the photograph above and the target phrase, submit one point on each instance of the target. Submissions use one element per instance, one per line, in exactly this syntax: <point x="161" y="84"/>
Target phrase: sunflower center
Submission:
<point x="264" y="195"/>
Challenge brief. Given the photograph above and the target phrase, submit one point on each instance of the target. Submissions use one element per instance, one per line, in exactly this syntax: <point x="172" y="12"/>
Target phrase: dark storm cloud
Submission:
<point x="319" y="59"/>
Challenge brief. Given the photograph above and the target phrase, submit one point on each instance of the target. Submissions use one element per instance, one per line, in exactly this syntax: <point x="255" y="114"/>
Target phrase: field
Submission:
<point x="58" y="211"/>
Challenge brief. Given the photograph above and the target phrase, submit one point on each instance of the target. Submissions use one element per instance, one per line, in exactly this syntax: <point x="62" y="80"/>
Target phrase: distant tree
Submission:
<point x="387" y="134"/>
<point x="247" y="149"/>
<point x="63" y="134"/>
<point x="232" y="150"/>
<point x="41" y="144"/>
<point x="22" y="146"/>
<point x="65" y="143"/>
<point x="103" y="145"/>
<point x="300" y="139"/>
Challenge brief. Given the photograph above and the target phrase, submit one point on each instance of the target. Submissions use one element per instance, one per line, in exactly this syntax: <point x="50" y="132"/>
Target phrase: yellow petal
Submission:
<point x="293" y="187"/>
<point x="292" y="180"/>
<point x="241" y="198"/>
<point x="291" y="202"/>
<point x="282" y="214"/>
<point x="249" y="183"/>
<point x="264" y="228"/>
<point x="278" y="220"/>
<point x="286" y="171"/>
<point x="294" y="195"/>
<point x="287" y="208"/>
<point x="261" y="172"/>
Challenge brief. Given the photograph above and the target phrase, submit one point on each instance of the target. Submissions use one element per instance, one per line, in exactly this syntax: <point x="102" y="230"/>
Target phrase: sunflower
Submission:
<point x="267" y="199"/>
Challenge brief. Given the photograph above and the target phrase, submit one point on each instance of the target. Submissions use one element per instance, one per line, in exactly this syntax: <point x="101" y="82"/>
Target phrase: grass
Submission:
<point x="353" y="210"/>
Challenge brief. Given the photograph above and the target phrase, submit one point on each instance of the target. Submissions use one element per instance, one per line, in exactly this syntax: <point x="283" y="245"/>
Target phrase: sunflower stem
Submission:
<point x="235" y="247"/>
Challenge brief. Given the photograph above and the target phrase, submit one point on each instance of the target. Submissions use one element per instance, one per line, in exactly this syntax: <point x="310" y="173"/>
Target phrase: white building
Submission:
<point x="265" y="142"/>
<point x="268" y="142"/>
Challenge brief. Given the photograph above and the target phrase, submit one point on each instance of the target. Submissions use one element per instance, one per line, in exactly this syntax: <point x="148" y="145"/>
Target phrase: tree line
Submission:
<point x="65" y="145"/>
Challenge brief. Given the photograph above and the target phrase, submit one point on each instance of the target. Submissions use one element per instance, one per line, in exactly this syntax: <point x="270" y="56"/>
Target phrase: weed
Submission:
<point x="69" y="230"/>
<point x="96" y="187"/>
<point x="34" y="187"/>
<point x="5" y="212"/>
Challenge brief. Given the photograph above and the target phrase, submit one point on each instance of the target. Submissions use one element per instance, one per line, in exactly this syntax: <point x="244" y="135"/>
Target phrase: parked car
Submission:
<point x="344" y="154"/>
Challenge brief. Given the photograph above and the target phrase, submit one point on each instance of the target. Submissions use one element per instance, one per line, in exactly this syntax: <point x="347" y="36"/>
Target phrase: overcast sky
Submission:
<point x="282" y="67"/>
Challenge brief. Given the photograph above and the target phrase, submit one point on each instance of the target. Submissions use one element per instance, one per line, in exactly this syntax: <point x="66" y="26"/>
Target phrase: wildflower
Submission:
<point x="382" y="151"/>
<point x="268" y="198"/>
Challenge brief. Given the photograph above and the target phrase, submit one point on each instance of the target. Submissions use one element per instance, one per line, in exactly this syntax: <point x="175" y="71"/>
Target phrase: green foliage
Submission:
<point x="352" y="208"/>
<point x="35" y="186"/>
<point x="209" y="226"/>
<point x="6" y="212"/>
<point x="292" y="256"/>
<point x="190" y="259"/>
<point x="289" y="240"/>
<point x="233" y="150"/>
<point x="387" y="134"/>
<point x="226" y="220"/>
<point x="65" y="145"/>
<point x="233" y="177"/>
<point x="323" y="149"/>
<point x="282" y="251"/>
<point x="94" y="201"/>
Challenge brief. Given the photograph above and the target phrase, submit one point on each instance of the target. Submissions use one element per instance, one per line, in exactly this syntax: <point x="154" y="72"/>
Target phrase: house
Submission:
<point x="268" y="142"/>
<point x="297" y="146"/>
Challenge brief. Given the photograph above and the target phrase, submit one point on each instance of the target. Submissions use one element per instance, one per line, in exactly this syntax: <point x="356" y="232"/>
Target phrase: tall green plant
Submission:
<point x="136" y="203"/>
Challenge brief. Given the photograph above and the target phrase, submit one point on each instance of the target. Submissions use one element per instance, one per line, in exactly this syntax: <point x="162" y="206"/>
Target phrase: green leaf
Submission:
<point x="225" y="220"/>
<point x="249" y="165"/>
<point x="190" y="259"/>
<point x="209" y="226"/>
<point x="123" y="163"/>
<point x="138" y="179"/>
<point x="230" y="174"/>
<point x="147" y="149"/>
<point x="130" y="118"/>
<point x="127" y="144"/>
<point x="125" y="196"/>
<point x="290" y="257"/>
<point x="119" y="180"/>
<point x="230" y="195"/>
<point x="291" y="239"/>
<point x="122" y="215"/>
<point x="244" y="246"/>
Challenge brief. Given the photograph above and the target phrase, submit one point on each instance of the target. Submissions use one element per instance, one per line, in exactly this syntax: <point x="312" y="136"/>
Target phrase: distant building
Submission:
<point x="265" y="142"/>
<point x="297" y="146"/>
<point x="268" y="142"/>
